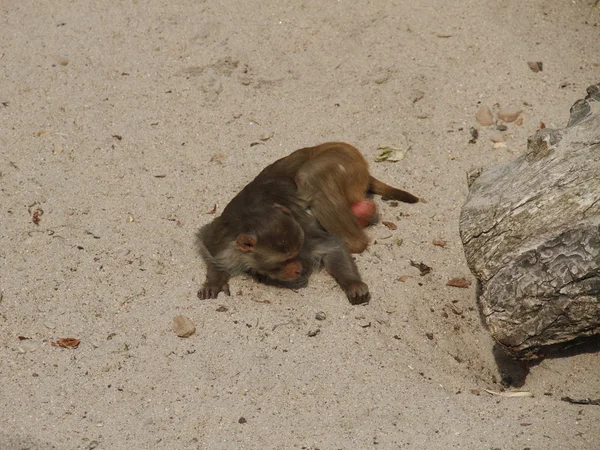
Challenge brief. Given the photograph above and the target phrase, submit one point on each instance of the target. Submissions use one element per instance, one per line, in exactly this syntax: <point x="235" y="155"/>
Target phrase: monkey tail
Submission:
<point x="385" y="190"/>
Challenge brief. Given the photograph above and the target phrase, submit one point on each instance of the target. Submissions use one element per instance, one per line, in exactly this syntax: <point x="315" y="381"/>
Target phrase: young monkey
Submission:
<point x="266" y="231"/>
<point x="332" y="180"/>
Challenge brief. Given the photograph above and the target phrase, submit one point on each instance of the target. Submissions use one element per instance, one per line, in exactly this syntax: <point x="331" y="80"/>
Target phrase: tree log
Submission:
<point x="531" y="235"/>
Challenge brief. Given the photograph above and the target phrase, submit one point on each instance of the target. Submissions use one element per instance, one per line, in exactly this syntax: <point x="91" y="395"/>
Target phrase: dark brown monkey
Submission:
<point x="331" y="178"/>
<point x="266" y="231"/>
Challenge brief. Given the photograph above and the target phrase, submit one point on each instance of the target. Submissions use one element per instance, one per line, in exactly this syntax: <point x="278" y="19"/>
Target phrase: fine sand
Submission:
<point x="124" y="122"/>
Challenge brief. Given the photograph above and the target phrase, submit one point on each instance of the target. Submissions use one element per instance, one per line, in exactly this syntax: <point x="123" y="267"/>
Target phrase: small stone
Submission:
<point x="313" y="333"/>
<point x="499" y="145"/>
<point x="266" y="136"/>
<point x="222" y="309"/>
<point x="536" y="66"/>
<point x="484" y="116"/>
<point x="242" y="420"/>
<point x="50" y="325"/>
<point x="27" y="346"/>
<point x="502" y="127"/>
<point x="497" y="137"/>
<point x="429" y="336"/>
<point x="237" y="115"/>
<point x="519" y="121"/>
<point x="63" y="61"/>
<point x="183" y="327"/>
<point x="320" y="316"/>
<point x="509" y="114"/>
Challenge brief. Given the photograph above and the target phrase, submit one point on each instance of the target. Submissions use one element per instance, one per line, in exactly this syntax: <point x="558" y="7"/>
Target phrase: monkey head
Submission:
<point x="273" y="245"/>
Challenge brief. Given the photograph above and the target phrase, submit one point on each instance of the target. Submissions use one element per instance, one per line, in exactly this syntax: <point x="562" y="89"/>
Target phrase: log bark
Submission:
<point x="531" y="235"/>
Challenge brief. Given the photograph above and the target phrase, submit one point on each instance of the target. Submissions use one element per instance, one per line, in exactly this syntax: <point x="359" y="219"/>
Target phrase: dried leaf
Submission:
<point x="439" y="243"/>
<point x="213" y="210"/>
<point x="266" y="136"/>
<point x="37" y="216"/>
<point x="510" y="394"/>
<point x="218" y="157"/>
<point x="390" y="225"/>
<point x="43" y="132"/>
<point x="391" y="154"/>
<point x="459" y="282"/>
<point x="581" y="401"/>
<point x="425" y="269"/>
<point x="66" y="343"/>
<point x="418" y="96"/>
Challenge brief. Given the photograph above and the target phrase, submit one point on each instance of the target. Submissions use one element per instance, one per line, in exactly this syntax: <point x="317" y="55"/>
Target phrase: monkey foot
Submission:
<point x="208" y="291"/>
<point x="357" y="293"/>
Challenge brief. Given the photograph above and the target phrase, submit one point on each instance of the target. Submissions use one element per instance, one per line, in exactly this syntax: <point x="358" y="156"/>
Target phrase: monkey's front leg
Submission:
<point x="216" y="281"/>
<point x="341" y="266"/>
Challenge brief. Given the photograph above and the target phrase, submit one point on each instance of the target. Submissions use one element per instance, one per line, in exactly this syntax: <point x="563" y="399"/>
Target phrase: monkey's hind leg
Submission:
<point x="337" y="218"/>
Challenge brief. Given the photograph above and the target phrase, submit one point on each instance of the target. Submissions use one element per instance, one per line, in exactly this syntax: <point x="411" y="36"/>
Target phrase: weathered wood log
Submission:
<point x="531" y="235"/>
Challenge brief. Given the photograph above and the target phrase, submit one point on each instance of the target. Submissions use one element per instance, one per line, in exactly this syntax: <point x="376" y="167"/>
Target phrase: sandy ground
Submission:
<point x="126" y="122"/>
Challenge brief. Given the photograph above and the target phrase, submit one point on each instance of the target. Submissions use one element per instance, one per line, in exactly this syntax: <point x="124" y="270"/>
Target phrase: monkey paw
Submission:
<point x="211" y="291"/>
<point x="357" y="293"/>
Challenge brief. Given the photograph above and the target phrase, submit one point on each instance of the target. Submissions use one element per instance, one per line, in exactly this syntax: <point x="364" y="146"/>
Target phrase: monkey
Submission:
<point x="332" y="180"/>
<point x="266" y="231"/>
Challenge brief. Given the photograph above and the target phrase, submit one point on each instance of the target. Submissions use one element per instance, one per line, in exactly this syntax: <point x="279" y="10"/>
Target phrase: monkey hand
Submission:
<point x="357" y="292"/>
<point x="209" y="290"/>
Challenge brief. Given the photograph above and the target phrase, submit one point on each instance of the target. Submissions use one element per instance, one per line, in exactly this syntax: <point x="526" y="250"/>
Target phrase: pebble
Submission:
<point x="63" y="61"/>
<point x="536" y="66"/>
<point x="27" y="346"/>
<point x="49" y="324"/>
<point x="497" y="137"/>
<point x="519" y="121"/>
<point x="509" y="114"/>
<point x="320" y="316"/>
<point x="183" y="327"/>
<point x="499" y="145"/>
<point x="484" y="116"/>
<point x="313" y="333"/>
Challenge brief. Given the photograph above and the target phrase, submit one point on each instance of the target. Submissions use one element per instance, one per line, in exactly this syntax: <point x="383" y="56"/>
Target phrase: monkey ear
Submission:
<point x="245" y="243"/>
<point x="283" y="208"/>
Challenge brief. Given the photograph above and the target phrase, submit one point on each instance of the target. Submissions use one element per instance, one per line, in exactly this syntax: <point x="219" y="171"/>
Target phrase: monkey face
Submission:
<point x="273" y="247"/>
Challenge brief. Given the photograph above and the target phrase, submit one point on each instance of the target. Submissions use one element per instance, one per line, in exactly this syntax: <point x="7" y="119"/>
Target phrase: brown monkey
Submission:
<point x="331" y="179"/>
<point x="266" y="231"/>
